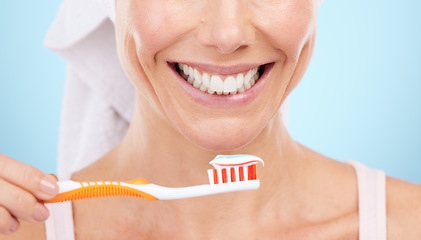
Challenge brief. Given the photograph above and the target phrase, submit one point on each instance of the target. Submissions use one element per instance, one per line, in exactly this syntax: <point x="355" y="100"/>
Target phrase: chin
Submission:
<point x="221" y="138"/>
<point x="221" y="144"/>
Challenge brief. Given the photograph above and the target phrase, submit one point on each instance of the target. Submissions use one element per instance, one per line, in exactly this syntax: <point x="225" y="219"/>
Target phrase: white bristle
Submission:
<point x="237" y="174"/>
<point x="245" y="171"/>
<point x="228" y="174"/>
<point x="210" y="175"/>
<point x="219" y="173"/>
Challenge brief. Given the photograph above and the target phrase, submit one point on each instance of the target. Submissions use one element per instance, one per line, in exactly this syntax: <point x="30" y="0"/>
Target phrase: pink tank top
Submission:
<point x="371" y="200"/>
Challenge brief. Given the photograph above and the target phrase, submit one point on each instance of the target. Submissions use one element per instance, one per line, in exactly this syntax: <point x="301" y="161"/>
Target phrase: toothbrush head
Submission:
<point x="233" y="168"/>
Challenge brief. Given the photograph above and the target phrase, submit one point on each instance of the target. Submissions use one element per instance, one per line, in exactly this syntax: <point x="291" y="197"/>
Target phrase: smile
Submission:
<point x="220" y="84"/>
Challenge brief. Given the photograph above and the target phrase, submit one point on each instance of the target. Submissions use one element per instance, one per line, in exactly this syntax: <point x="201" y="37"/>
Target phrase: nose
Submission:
<point x="226" y="26"/>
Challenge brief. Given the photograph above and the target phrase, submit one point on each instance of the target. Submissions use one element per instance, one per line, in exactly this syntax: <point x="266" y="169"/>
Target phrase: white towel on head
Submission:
<point x="109" y="7"/>
<point x="99" y="99"/>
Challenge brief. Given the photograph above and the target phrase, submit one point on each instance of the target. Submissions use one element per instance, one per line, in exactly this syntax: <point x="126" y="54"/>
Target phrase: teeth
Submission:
<point x="185" y="69"/>
<point x="255" y="77"/>
<point x="197" y="77"/>
<point x="240" y="80"/>
<point x="203" y="88"/>
<point x="214" y="83"/>
<point x="230" y="85"/>
<point x="205" y="80"/>
<point x="247" y="85"/>
<point x="190" y="79"/>
<point x="248" y="77"/>
<point x="196" y="84"/>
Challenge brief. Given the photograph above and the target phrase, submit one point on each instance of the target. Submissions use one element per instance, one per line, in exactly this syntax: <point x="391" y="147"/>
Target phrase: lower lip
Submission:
<point x="224" y="101"/>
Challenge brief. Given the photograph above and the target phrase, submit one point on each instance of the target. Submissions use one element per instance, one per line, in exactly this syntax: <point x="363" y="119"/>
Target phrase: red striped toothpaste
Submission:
<point x="234" y="168"/>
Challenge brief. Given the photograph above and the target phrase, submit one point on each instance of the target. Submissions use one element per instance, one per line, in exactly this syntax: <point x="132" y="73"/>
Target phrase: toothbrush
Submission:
<point x="231" y="173"/>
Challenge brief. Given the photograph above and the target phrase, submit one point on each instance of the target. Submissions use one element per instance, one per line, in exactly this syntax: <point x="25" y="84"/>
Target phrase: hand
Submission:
<point x="22" y="189"/>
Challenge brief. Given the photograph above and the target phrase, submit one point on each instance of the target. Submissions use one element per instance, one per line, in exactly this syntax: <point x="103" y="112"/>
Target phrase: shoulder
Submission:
<point x="26" y="231"/>
<point x="403" y="203"/>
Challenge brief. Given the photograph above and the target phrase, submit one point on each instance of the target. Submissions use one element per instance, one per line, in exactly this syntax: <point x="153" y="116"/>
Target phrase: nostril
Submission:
<point x="244" y="46"/>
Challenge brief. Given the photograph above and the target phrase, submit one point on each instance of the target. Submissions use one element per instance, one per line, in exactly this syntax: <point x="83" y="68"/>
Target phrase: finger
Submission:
<point x="8" y="224"/>
<point x="41" y="185"/>
<point x="22" y="204"/>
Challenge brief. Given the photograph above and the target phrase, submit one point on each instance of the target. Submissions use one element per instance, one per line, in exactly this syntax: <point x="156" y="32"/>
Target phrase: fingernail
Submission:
<point x="15" y="226"/>
<point x="40" y="213"/>
<point x="54" y="176"/>
<point x="49" y="187"/>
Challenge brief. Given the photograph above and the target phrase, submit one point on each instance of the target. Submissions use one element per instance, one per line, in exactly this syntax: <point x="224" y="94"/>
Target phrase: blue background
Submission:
<point x="31" y="83"/>
<point x="359" y="99"/>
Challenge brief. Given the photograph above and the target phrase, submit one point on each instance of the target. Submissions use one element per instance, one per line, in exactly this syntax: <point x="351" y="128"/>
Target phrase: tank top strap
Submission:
<point x="371" y="202"/>
<point x="59" y="226"/>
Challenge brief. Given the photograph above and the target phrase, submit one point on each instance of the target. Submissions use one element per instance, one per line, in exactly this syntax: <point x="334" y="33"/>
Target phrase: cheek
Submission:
<point x="143" y="29"/>
<point x="158" y="24"/>
<point x="288" y="26"/>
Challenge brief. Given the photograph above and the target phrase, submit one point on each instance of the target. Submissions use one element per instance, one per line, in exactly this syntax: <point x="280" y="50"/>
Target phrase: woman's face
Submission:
<point x="216" y="70"/>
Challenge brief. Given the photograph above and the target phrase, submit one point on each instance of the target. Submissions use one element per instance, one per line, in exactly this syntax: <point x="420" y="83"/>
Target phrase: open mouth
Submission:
<point x="220" y="84"/>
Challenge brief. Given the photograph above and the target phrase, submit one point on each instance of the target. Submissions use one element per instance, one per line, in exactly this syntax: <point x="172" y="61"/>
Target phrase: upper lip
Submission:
<point x="222" y="70"/>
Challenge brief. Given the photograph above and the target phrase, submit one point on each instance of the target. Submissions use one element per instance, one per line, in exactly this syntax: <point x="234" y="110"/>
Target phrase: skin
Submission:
<point x="303" y="195"/>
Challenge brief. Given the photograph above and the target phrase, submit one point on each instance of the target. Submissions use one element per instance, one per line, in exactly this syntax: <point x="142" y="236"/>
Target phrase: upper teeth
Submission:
<point x="214" y="83"/>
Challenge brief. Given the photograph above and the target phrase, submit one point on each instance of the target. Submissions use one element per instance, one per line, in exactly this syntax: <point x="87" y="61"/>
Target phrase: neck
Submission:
<point x="155" y="151"/>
